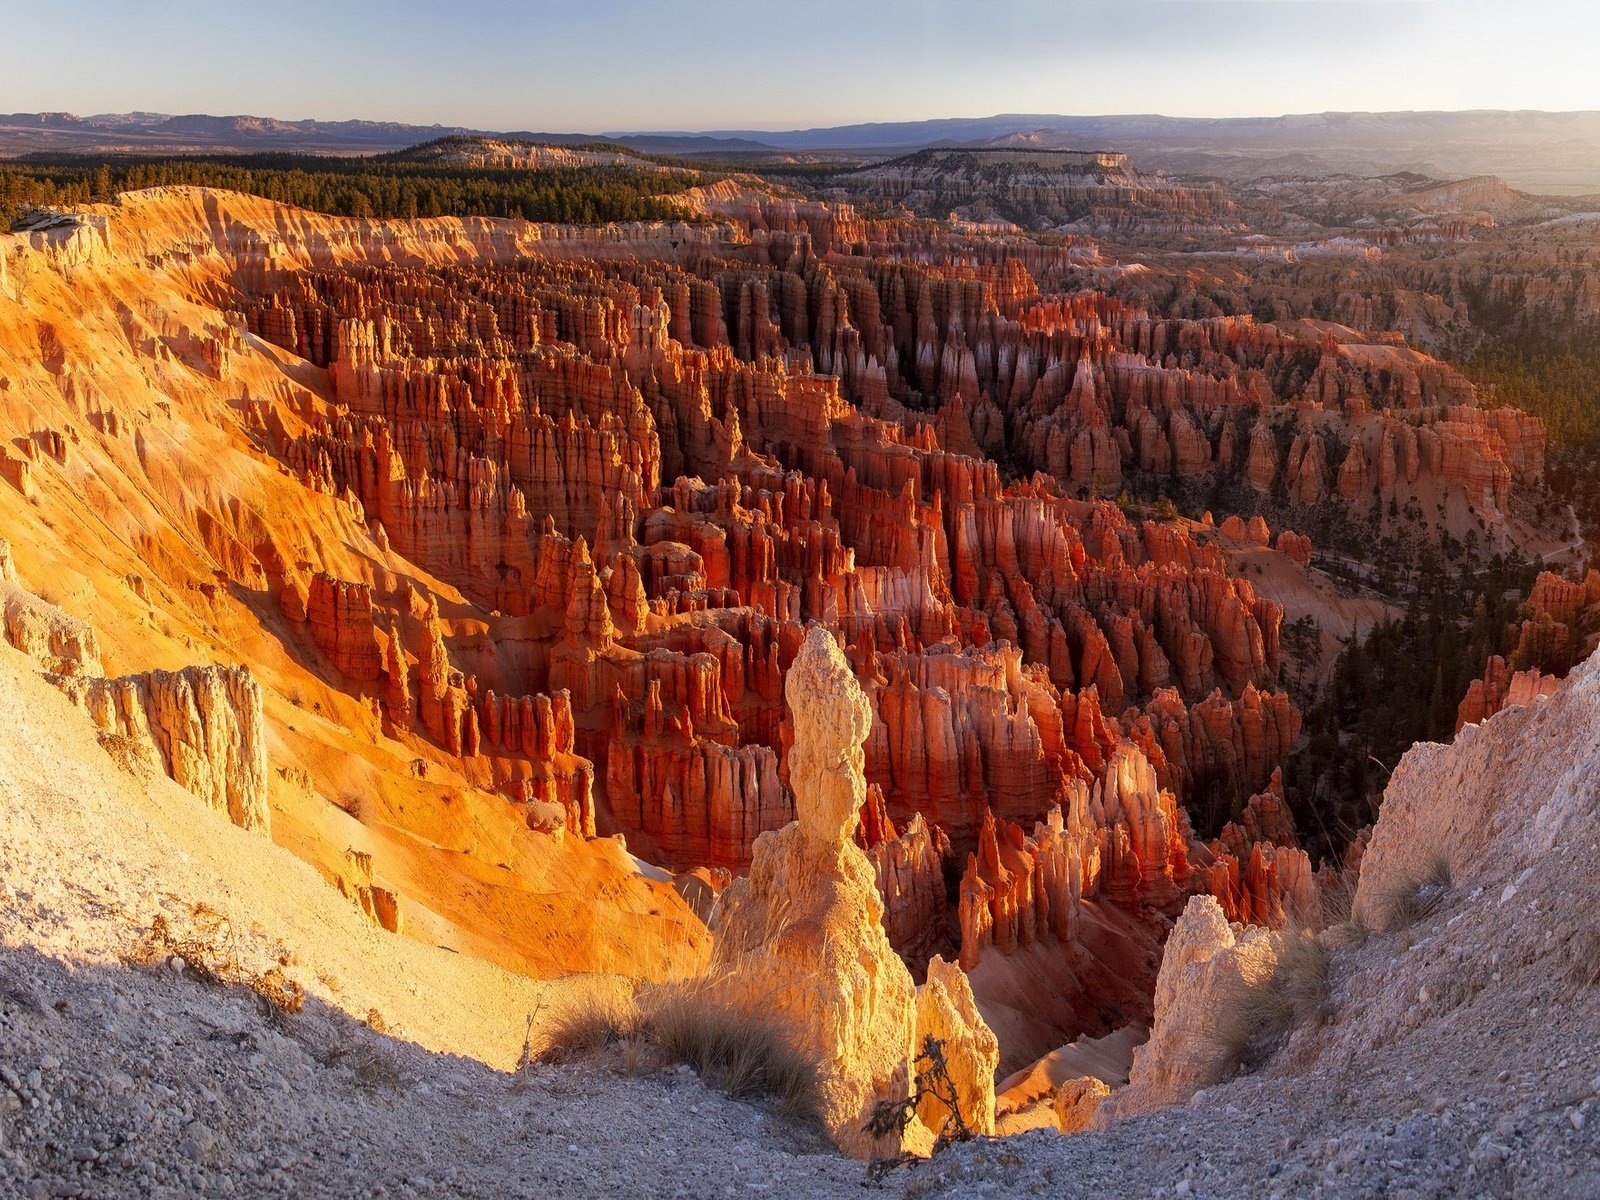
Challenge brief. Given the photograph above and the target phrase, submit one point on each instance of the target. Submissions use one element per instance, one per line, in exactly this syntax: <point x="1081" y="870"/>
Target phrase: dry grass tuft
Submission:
<point x="587" y="1022"/>
<point x="1583" y="959"/>
<point x="1415" y="898"/>
<point x="1339" y="897"/>
<point x="1342" y="926"/>
<point x="635" y="1057"/>
<point x="1262" y="1015"/>
<point x="742" y="1052"/>
<point x="738" y="1051"/>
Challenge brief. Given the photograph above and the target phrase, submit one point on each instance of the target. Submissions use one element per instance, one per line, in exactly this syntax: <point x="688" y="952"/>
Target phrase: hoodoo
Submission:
<point x="802" y="934"/>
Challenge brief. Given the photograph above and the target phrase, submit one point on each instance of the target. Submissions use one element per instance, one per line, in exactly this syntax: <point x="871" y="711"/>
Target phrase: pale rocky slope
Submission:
<point x="118" y="1080"/>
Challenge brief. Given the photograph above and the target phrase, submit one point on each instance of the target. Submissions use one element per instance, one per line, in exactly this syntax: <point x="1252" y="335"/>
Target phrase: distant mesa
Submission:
<point x="1547" y="153"/>
<point x="490" y="153"/>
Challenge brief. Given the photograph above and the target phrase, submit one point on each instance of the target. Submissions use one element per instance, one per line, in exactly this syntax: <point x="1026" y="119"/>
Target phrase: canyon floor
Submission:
<point x="1457" y="1057"/>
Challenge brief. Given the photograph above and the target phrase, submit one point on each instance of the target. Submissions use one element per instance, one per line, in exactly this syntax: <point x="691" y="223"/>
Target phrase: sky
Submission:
<point x="619" y="65"/>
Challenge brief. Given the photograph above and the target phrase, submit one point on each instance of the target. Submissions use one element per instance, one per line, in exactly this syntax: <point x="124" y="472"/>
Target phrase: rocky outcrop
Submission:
<point x="1256" y="869"/>
<point x="60" y="643"/>
<point x="1261" y="468"/>
<point x="1562" y="618"/>
<point x="204" y="727"/>
<point x="1296" y="546"/>
<point x="447" y="713"/>
<point x="1123" y="840"/>
<point x="1204" y="970"/>
<point x="910" y="866"/>
<point x="947" y="1013"/>
<point x="622" y="482"/>
<point x="534" y="475"/>
<point x="1502" y="801"/>
<point x="801" y="937"/>
<point x="380" y="905"/>
<point x="643" y="482"/>
<point x="1501" y="687"/>
<point x="1354" y="473"/>
<point x="397" y="703"/>
<point x="1076" y="1101"/>
<point x="1306" y="472"/>
<point x="340" y="614"/>
<point x="1264" y="884"/>
<point x="1050" y="186"/>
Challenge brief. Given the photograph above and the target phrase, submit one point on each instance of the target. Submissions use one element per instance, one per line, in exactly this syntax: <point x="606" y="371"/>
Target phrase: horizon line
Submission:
<point x="730" y="131"/>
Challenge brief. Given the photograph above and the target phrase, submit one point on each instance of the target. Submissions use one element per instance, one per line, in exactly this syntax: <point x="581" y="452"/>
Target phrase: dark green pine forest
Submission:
<point x="380" y="186"/>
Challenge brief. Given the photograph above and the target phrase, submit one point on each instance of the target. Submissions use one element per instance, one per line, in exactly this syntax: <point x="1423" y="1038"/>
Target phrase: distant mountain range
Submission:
<point x="1534" y="151"/>
<point x="142" y="132"/>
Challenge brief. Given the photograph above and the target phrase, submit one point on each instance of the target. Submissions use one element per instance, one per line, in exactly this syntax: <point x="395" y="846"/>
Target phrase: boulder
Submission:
<point x="1076" y="1101"/>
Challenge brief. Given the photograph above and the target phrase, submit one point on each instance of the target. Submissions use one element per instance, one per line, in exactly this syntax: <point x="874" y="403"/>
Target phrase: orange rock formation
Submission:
<point x="521" y="527"/>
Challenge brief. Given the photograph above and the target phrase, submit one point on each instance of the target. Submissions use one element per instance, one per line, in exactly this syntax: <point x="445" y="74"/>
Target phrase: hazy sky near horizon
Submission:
<point x="721" y="64"/>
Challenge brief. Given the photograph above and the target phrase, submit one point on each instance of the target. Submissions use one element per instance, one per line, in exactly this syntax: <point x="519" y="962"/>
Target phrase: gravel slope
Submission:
<point x="129" y="1083"/>
<point x="143" y="1080"/>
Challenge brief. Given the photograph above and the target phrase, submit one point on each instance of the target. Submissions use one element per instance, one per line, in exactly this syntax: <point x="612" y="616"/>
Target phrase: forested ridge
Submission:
<point x="384" y="186"/>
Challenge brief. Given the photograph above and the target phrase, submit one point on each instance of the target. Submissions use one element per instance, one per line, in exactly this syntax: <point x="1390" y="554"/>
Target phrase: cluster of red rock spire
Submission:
<point x="655" y="475"/>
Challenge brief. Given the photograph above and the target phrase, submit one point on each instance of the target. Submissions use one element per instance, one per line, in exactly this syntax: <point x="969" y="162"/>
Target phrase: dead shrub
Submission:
<point x="375" y="1070"/>
<point x="281" y="993"/>
<point x="372" y="1068"/>
<point x="208" y="951"/>
<point x="890" y="1118"/>
<point x="205" y="951"/>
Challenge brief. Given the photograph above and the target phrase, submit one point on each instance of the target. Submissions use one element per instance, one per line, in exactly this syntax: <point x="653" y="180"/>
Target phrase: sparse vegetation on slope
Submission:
<point x="740" y="1052"/>
<point x="1398" y="685"/>
<point x="1413" y="897"/>
<point x="1264" y="1014"/>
